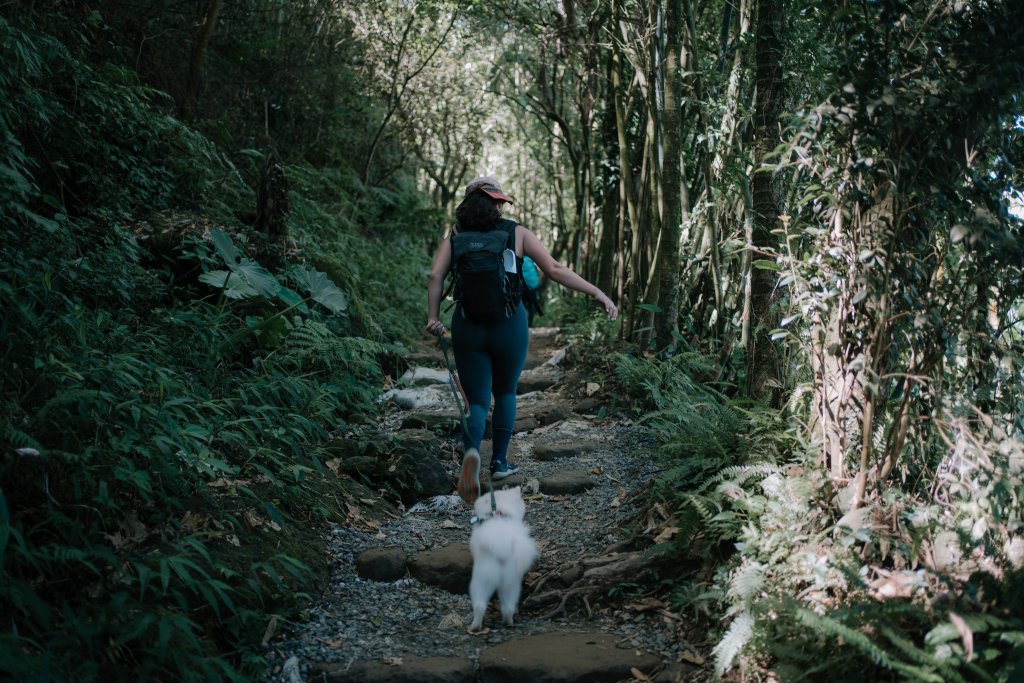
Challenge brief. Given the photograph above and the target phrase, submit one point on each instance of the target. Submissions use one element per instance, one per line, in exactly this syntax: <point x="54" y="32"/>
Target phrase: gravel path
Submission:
<point x="357" y="619"/>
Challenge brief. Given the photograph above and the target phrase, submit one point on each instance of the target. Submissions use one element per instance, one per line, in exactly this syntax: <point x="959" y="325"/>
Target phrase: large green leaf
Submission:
<point x="226" y="248"/>
<point x="258" y="277"/>
<point x="254" y="275"/>
<point x="237" y="287"/>
<point x="292" y="298"/>
<point x="321" y="289"/>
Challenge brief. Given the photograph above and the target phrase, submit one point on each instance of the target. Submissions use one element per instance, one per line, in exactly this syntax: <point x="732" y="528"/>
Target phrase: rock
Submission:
<point x="587" y="406"/>
<point x="379" y="443"/>
<point x="418" y="398"/>
<point x="290" y="672"/>
<point x="526" y="423"/>
<point x="420" y="376"/>
<point x="440" y="422"/>
<point x="445" y="422"/>
<point x="428" y="358"/>
<point x="418" y="455"/>
<point x="569" y="482"/>
<point x="561" y="451"/>
<point x="382" y="564"/>
<point x="449" y="567"/>
<point x="422" y="436"/>
<point x="366" y="468"/>
<point x="557" y="657"/>
<point x="431" y="478"/>
<point x="407" y="461"/>
<point x="400" y="670"/>
<point x="557" y="358"/>
<point x="348" y="448"/>
<point x="538" y="379"/>
<point x="552" y="414"/>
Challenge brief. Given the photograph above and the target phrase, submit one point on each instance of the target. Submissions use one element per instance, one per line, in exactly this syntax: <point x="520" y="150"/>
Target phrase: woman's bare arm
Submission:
<point x="435" y="286"/>
<point x="562" y="274"/>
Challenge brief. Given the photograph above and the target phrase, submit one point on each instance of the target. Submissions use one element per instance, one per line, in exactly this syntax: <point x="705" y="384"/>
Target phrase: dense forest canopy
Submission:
<point x="217" y="218"/>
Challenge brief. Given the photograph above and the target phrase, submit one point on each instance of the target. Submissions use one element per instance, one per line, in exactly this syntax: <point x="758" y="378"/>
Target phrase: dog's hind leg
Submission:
<point x="508" y="595"/>
<point x="479" y="596"/>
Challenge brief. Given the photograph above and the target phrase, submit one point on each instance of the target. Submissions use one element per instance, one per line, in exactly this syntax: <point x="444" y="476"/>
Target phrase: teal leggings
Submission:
<point x="489" y="359"/>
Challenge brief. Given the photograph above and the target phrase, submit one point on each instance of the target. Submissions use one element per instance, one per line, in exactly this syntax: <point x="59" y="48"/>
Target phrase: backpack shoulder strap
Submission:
<point x="510" y="227"/>
<point x="507" y="225"/>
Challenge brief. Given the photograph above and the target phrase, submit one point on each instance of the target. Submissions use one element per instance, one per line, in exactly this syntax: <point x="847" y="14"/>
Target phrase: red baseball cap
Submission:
<point x="489" y="186"/>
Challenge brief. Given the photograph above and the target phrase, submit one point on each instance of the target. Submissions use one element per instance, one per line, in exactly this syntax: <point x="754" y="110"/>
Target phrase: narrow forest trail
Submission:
<point x="397" y="607"/>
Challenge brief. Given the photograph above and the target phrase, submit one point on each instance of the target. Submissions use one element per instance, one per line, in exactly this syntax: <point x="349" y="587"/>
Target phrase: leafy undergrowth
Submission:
<point x="792" y="583"/>
<point x="164" y="480"/>
<point x="171" y="382"/>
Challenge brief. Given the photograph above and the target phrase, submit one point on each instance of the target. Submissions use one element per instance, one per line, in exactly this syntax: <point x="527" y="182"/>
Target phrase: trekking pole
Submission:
<point x="442" y="341"/>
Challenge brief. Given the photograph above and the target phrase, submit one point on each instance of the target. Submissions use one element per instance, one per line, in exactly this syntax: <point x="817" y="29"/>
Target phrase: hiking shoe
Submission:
<point x="469" y="479"/>
<point x="501" y="470"/>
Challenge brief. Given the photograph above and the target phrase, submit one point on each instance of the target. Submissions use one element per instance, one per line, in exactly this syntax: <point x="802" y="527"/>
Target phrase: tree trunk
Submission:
<point x="667" y="323"/>
<point x="627" y="219"/>
<point x="190" y="100"/>
<point x="271" y="210"/>
<point x="764" y="375"/>
<point x="608" y="198"/>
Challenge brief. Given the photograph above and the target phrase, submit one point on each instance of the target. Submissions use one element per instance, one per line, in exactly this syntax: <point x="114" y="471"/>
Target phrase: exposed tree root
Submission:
<point x="599" y="574"/>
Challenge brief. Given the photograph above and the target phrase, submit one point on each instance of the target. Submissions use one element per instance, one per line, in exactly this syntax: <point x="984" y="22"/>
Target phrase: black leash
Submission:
<point x="442" y="341"/>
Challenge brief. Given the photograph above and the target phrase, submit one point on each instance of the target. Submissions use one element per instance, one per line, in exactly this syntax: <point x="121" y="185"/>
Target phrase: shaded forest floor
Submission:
<point x="396" y="607"/>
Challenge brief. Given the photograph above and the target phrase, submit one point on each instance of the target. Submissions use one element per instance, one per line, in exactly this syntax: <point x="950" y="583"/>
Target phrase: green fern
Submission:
<point x="15" y="438"/>
<point x="737" y="636"/>
<point x="912" y="652"/>
<point x="746" y="584"/>
<point x="827" y="626"/>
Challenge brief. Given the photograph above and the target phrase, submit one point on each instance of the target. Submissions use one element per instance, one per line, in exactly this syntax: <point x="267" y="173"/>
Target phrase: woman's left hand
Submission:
<point x="608" y="304"/>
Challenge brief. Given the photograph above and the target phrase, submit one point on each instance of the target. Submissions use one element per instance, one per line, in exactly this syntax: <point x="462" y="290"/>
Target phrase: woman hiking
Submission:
<point x="490" y="345"/>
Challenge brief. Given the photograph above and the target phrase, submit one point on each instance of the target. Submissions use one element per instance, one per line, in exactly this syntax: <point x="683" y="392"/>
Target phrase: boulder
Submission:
<point x="562" y="451"/>
<point x="556" y="657"/>
<point x="449" y="567"/>
<point x="402" y="670"/>
<point x="382" y="564"/>
<point x="567" y="483"/>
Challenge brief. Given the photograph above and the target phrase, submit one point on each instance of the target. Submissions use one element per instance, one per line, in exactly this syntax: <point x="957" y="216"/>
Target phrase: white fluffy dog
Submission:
<point x="503" y="552"/>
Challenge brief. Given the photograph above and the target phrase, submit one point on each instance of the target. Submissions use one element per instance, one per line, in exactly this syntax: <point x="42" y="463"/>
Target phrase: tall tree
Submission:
<point x="667" y="266"/>
<point x="190" y="98"/>
<point x="764" y="372"/>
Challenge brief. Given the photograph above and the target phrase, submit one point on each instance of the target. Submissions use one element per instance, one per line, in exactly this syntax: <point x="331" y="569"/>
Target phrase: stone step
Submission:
<point x="540" y="658"/>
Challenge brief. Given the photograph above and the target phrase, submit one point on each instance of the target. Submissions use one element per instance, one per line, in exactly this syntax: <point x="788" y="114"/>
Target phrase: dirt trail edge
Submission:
<point x="397" y="607"/>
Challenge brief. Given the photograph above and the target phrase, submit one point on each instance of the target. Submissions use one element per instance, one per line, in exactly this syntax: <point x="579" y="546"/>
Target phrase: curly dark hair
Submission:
<point x="477" y="212"/>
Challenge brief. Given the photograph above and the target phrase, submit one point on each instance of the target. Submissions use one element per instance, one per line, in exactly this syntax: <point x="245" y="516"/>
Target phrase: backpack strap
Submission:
<point x="510" y="243"/>
<point x="509" y="226"/>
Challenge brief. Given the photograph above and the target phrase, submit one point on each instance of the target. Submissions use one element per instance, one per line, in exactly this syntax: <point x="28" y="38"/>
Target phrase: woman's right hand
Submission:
<point x="435" y="327"/>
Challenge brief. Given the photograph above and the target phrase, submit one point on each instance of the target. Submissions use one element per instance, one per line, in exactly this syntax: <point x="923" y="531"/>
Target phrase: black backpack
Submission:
<point x="486" y="292"/>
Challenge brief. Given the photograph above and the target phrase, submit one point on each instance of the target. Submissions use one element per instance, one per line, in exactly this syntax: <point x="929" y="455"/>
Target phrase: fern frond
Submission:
<point x="740" y="632"/>
<point x="702" y="505"/>
<point x="914" y="653"/>
<point x="747" y="582"/>
<point x="15" y="438"/>
<point x="852" y="637"/>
